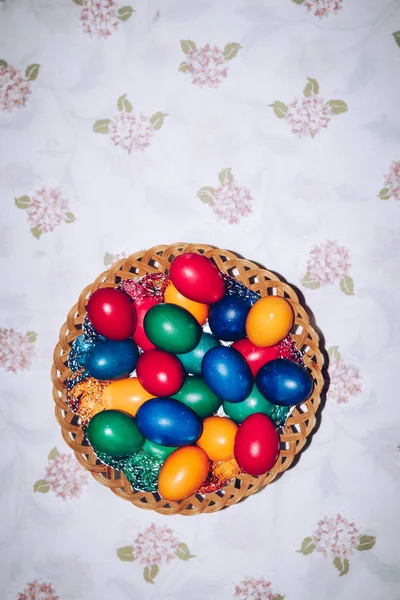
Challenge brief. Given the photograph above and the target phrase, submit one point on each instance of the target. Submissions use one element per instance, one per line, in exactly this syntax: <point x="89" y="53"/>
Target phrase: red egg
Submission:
<point x="160" y="373"/>
<point x="256" y="445"/>
<point x="142" y="305"/>
<point x="112" y="314"/>
<point x="255" y="356"/>
<point x="197" y="278"/>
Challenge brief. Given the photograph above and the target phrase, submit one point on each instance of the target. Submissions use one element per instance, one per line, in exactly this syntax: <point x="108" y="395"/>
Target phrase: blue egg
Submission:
<point x="108" y="359"/>
<point x="284" y="382"/>
<point x="168" y="422"/>
<point x="227" y="318"/>
<point x="227" y="373"/>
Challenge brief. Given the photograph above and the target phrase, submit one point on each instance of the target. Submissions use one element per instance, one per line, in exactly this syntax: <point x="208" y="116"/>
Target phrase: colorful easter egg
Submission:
<point x="125" y="394"/>
<point x="172" y="328"/>
<point x="168" y="422"/>
<point x="284" y="382"/>
<point x="183" y="472"/>
<point x="197" y="278"/>
<point x="227" y="318"/>
<point x="142" y="305"/>
<point x="256" y="445"/>
<point x="218" y="437"/>
<point x="115" y="433"/>
<point x="269" y="321"/>
<point x="109" y="359"/>
<point x="198" y="310"/>
<point x="254" y="403"/>
<point x="196" y="394"/>
<point x="112" y="314"/>
<point x="227" y="373"/>
<point x="191" y="361"/>
<point x="157" y="451"/>
<point x="255" y="356"/>
<point x="160" y="373"/>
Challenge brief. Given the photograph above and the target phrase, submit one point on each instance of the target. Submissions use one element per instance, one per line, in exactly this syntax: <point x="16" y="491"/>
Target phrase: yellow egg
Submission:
<point x="218" y="438"/>
<point x="125" y="394"/>
<point x="269" y="321"/>
<point x="183" y="472"/>
<point x="198" y="310"/>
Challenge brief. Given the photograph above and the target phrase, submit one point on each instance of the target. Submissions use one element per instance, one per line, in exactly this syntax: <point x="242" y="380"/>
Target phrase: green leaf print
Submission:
<point x="125" y="13"/>
<point x="307" y="546"/>
<point x="36" y="232"/>
<point x="312" y="87"/>
<point x="31" y="337"/>
<point x="346" y="565"/>
<point x="41" y="486"/>
<point x="70" y="217"/>
<point x="183" y="67"/>
<point x="158" y="120"/>
<point x="187" y="46"/>
<point x="183" y="552"/>
<point x="32" y="72"/>
<point x="342" y="566"/>
<point x="347" y="285"/>
<point x="337" y="107"/>
<point x="78" y="2"/>
<point x="383" y="194"/>
<point x="3" y="64"/>
<point x="225" y="176"/>
<point x="124" y="104"/>
<point x="231" y="50"/>
<point x="126" y="554"/>
<point x="334" y="353"/>
<point x="280" y="109"/>
<point x="298" y="1"/>
<point x="149" y="574"/>
<point x="101" y="126"/>
<point x="205" y="194"/>
<point x="309" y="283"/>
<point x="108" y="258"/>
<point x="53" y="454"/>
<point x="22" y="202"/>
<point x="396" y="35"/>
<point x="366" y="542"/>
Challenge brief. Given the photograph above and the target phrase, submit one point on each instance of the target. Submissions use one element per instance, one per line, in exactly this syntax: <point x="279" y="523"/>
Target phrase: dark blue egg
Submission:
<point x="227" y="318"/>
<point x="108" y="359"/>
<point x="168" y="422"/>
<point x="284" y="382"/>
<point x="227" y="373"/>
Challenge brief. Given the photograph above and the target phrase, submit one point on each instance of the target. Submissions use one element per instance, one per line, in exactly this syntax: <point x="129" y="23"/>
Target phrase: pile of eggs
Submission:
<point x="187" y="380"/>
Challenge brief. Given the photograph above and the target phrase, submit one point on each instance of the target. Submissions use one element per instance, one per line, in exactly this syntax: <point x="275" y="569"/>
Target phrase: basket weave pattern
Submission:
<point x="292" y="437"/>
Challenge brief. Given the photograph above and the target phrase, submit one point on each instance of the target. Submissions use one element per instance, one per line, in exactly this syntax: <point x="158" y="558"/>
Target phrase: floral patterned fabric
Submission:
<point x="268" y="127"/>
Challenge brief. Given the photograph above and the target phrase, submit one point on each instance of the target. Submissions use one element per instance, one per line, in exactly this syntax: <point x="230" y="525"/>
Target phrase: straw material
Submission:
<point x="293" y="436"/>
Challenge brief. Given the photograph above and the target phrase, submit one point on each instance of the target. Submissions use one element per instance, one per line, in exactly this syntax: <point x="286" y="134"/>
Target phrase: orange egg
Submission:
<point x="183" y="472"/>
<point x="218" y="438"/>
<point x="198" y="310"/>
<point x="269" y="321"/>
<point x="125" y="394"/>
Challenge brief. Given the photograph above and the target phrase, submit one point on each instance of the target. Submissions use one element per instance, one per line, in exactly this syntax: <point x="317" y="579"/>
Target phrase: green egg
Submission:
<point x="156" y="451"/>
<point x="115" y="433"/>
<point x="191" y="361"/>
<point x="196" y="394"/>
<point x="254" y="403"/>
<point x="172" y="328"/>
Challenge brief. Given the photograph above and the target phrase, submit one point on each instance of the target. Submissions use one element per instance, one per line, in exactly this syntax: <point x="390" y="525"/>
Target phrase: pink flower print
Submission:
<point x="345" y="380"/>
<point x="335" y="536"/>
<point x="15" y="88"/>
<point x="36" y="590"/>
<point x="64" y="476"/>
<point x="102" y="17"/>
<point x="327" y="264"/>
<point x="157" y="544"/>
<point x="208" y="66"/>
<point x="229" y="201"/>
<point x="46" y="208"/>
<point x="255" y="589"/>
<point x="391" y="187"/>
<point x="323" y="8"/>
<point x="16" y="350"/>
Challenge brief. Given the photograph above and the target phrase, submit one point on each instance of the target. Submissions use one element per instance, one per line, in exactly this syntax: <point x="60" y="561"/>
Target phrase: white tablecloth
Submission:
<point x="269" y="127"/>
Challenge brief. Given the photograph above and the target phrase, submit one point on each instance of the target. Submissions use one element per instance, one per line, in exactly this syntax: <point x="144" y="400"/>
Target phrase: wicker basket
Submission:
<point x="293" y="436"/>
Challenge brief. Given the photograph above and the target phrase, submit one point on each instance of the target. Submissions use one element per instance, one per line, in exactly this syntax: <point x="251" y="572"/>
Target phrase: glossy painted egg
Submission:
<point x="191" y="361"/>
<point x="218" y="438"/>
<point x="196" y="394"/>
<point x="172" y="328"/>
<point x="125" y="394"/>
<point x="256" y="445"/>
<point x="284" y="382"/>
<point x="108" y="359"/>
<point x="198" y="310"/>
<point x="115" y="433"/>
<point x="255" y="356"/>
<point x="142" y="305"/>
<point x="269" y="321"/>
<point x="183" y="472"/>
<point x="168" y="422"/>
<point x="254" y="403"/>
<point x="112" y="313"/>
<point x="197" y="278"/>
<point x="157" y="451"/>
<point x="227" y="318"/>
<point x="227" y="373"/>
<point x="160" y="373"/>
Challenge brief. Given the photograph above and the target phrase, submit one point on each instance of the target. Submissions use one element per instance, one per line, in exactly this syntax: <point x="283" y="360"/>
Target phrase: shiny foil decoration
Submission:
<point x="141" y="470"/>
<point x="85" y="398"/>
<point x="152" y="285"/>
